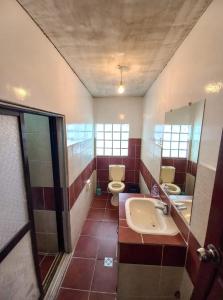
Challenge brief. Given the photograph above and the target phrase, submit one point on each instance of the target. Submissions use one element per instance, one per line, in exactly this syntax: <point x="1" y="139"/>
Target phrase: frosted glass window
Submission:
<point x="174" y="153"/>
<point x="183" y="153"/>
<point x="13" y="202"/>
<point x="125" y="127"/>
<point x="100" y="144"/>
<point x="108" y="144"/>
<point x="124" y="152"/>
<point x="116" y="127"/>
<point x="99" y="135"/>
<point x="167" y="137"/>
<point x="174" y="145"/>
<point x="125" y="136"/>
<point x="116" y="136"/>
<point x="175" y="137"/>
<point x="176" y="140"/>
<point x="108" y="127"/>
<point x="185" y="129"/>
<point x="108" y="151"/>
<point x="166" y="153"/>
<point x="183" y="146"/>
<point x="116" y="152"/>
<point x="184" y="137"/>
<point x="176" y="128"/>
<point x="116" y="144"/>
<point x="124" y="144"/>
<point x="108" y="136"/>
<point x="166" y="145"/>
<point x="167" y="128"/>
<point x="112" y="139"/>
<point x="99" y="127"/>
<point x="99" y="151"/>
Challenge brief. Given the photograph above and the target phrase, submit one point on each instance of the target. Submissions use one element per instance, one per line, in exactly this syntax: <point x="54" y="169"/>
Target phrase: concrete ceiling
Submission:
<point x="95" y="36"/>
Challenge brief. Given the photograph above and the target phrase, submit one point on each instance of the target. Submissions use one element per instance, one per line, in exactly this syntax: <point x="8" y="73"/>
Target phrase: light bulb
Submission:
<point x="121" y="89"/>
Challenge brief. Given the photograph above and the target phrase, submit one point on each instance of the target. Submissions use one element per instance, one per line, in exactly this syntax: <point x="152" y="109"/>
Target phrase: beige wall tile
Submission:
<point x="138" y="280"/>
<point x="186" y="288"/>
<point x="47" y="242"/>
<point x="171" y="278"/>
<point x="45" y="221"/>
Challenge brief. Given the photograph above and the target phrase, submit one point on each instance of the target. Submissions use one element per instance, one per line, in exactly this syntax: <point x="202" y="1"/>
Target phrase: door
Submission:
<point x="209" y="285"/>
<point x="19" y="273"/>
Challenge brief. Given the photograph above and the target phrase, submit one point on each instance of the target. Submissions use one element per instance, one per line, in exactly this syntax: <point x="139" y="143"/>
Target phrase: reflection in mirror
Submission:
<point x="180" y="151"/>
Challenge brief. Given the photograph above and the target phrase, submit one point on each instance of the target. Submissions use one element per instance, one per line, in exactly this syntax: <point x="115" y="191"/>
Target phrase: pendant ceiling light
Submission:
<point x="121" y="87"/>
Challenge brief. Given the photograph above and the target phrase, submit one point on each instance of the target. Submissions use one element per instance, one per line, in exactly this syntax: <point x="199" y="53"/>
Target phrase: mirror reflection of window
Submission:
<point x="176" y="140"/>
<point x="180" y="137"/>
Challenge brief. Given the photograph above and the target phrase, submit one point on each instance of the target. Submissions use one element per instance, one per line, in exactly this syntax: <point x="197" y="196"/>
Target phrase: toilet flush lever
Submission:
<point x="209" y="254"/>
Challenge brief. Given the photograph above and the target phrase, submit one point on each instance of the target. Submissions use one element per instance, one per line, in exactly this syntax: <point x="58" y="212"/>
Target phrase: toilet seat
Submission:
<point x="116" y="186"/>
<point x="173" y="189"/>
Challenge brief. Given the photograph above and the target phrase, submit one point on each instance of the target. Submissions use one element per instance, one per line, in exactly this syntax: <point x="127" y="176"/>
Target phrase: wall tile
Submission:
<point x="140" y="254"/>
<point x="174" y="256"/>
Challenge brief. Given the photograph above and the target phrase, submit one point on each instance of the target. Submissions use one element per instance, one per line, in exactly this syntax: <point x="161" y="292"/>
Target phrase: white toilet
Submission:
<point x="116" y="186"/>
<point x="167" y="175"/>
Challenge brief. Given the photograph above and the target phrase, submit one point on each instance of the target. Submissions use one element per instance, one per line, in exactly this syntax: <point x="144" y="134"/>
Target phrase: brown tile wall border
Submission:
<point x="131" y="163"/>
<point x="77" y="186"/>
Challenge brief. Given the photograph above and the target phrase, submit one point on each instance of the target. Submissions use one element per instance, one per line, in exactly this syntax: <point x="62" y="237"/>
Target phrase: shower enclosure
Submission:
<point x="33" y="198"/>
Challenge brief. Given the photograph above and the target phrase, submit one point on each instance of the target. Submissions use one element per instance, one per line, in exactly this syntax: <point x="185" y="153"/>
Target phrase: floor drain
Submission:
<point x="108" y="262"/>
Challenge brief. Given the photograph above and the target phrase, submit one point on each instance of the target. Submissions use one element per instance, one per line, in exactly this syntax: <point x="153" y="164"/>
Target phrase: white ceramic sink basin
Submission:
<point x="143" y="217"/>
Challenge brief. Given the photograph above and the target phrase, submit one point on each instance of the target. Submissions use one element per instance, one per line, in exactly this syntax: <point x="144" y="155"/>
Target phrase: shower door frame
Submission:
<point x="56" y="122"/>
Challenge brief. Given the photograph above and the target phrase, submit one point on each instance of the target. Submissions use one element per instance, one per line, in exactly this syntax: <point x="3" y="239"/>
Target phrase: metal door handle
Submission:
<point x="209" y="254"/>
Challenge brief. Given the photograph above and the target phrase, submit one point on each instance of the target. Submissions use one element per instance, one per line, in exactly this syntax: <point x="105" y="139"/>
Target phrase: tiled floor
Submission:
<point x="87" y="278"/>
<point x="45" y="262"/>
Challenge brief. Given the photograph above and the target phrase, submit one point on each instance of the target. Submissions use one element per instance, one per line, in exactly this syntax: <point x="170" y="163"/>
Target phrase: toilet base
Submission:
<point x="114" y="200"/>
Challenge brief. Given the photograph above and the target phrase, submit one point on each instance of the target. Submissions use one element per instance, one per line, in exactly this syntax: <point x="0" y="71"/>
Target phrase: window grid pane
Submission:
<point x="112" y="139"/>
<point x="176" y="140"/>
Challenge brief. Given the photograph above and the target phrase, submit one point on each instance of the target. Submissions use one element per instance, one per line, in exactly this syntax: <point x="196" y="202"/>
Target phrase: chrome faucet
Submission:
<point x="164" y="207"/>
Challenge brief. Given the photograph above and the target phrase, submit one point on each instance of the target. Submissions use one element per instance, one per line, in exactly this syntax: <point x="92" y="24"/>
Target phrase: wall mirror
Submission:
<point x="180" y="152"/>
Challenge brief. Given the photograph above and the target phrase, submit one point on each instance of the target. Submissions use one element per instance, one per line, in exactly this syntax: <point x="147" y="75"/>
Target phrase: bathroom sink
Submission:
<point x="143" y="217"/>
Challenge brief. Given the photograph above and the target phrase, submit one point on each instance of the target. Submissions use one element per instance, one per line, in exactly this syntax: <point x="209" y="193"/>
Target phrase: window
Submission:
<point x="176" y="140"/>
<point x="112" y="139"/>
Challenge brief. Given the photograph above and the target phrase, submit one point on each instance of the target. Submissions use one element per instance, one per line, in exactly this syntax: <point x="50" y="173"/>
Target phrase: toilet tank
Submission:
<point x="167" y="174"/>
<point x="116" y="172"/>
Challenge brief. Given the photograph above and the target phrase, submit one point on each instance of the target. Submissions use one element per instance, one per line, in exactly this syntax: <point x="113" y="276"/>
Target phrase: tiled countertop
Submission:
<point x="145" y="248"/>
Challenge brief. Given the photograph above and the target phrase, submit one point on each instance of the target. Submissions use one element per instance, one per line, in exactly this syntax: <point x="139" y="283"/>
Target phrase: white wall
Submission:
<point x="108" y="110"/>
<point x="194" y="73"/>
<point x="29" y="61"/>
<point x="34" y="74"/>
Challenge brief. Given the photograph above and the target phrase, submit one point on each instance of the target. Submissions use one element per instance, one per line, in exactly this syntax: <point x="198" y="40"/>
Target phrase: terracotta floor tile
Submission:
<point x="111" y="215"/>
<point x="79" y="274"/>
<point x="107" y="248"/>
<point x="99" y="203"/>
<point x="96" y="214"/>
<point x="87" y="246"/>
<point x="105" y="279"/>
<point x="110" y="206"/>
<point x="127" y="235"/>
<point x="67" y="294"/>
<point x="109" y="230"/>
<point x="92" y="228"/>
<point x="102" y="196"/>
<point x="102" y="296"/>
